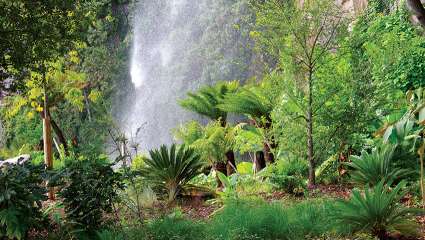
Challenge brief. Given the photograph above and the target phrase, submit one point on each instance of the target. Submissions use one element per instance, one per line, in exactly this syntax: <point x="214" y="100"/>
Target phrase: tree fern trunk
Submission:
<point x="231" y="163"/>
<point x="220" y="167"/>
<point x="268" y="155"/>
<point x="259" y="161"/>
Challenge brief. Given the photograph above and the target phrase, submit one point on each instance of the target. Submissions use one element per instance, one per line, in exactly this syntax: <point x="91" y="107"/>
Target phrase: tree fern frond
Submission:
<point x="206" y="100"/>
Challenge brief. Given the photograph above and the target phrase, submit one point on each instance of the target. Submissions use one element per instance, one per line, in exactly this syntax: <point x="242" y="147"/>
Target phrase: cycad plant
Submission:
<point x="170" y="169"/>
<point x="378" y="211"/>
<point x="371" y="168"/>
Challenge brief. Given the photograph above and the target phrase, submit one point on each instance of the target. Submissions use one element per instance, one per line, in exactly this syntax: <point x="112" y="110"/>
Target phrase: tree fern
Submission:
<point x="206" y="100"/>
<point x="248" y="101"/>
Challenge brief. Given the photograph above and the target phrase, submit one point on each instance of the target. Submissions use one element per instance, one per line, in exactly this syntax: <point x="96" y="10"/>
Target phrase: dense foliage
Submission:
<point x="309" y="120"/>
<point x="21" y="197"/>
<point x="88" y="189"/>
<point x="370" y="169"/>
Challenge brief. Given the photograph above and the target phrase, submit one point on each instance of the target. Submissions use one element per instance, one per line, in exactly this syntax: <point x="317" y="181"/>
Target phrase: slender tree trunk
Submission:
<point x="47" y="142"/>
<point x="231" y="163"/>
<point x="310" y="147"/>
<point x="86" y="101"/>
<point x="259" y="161"/>
<point x="60" y="135"/>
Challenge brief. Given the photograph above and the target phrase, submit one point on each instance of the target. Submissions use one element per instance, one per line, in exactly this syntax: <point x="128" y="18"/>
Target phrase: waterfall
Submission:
<point x="178" y="46"/>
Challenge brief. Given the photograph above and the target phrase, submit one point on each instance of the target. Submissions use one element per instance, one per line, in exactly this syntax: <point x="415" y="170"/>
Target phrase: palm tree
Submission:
<point x="205" y="102"/>
<point x="254" y="103"/>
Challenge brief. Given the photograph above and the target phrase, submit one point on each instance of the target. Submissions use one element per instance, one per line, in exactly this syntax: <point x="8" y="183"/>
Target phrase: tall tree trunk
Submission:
<point x="231" y="163"/>
<point x="310" y="147"/>
<point x="259" y="161"/>
<point x="47" y="141"/>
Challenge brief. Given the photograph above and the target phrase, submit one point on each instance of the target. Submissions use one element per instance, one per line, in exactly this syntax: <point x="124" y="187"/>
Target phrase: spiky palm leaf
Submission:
<point x="371" y="168"/>
<point x="171" y="169"/>
<point x="249" y="101"/>
<point x="377" y="211"/>
<point x="205" y="101"/>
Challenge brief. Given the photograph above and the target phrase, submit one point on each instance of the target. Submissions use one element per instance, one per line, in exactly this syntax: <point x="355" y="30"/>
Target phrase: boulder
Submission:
<point x="17" y="160"/>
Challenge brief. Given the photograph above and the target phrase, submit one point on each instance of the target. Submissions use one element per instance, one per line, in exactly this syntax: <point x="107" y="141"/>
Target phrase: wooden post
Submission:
<point x="47" y="141"/>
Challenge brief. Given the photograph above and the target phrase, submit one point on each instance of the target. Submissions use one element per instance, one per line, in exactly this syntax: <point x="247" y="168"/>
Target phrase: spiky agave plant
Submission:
<point x="170" y="169"/>
<point x="371" y="168"/>
<point x="378" y="211"/>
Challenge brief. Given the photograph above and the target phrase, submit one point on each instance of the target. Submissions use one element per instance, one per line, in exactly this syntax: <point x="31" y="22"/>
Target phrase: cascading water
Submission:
<point x="178" y="46"/>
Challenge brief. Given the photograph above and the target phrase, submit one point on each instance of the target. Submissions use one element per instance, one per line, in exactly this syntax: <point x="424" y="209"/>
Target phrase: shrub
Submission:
<point x="171" y="169"/>
<point x="371" y="168"/>
<point x="21" y="194"/>
<point x="90" y="188"/>
<point x="327" y="172"/>
<point x="289" y="176"/>
<point x="260" y="220"/>
<point x="377" y="211"/>
<point x="245" y="168"/>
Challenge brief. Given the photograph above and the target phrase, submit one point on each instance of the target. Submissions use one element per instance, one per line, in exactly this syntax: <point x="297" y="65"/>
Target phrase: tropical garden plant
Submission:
<point x="409" y="129"/>
<point x="88" y="189"/>
<point x="205" y="102"/>
<point x="21" y="196"/>
<point x="378" y="211"/>
<point x="288" y="175"/>
<point x="372" y="168"/>
<point x="254" y="103"/>
<point x="170" y="169"/>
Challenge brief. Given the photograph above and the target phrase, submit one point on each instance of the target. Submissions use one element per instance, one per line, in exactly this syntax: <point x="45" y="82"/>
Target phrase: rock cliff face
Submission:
<point x="353" y="6"/>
